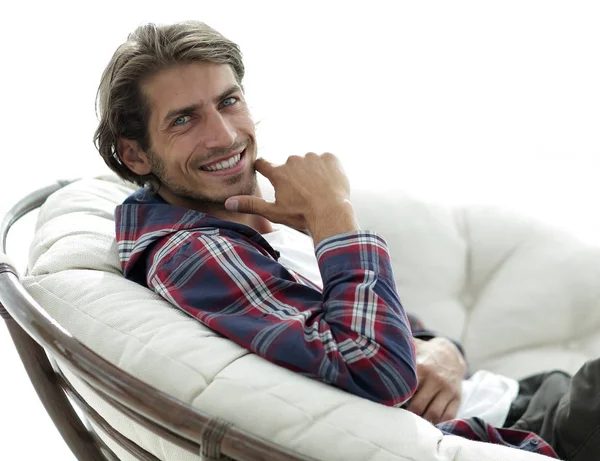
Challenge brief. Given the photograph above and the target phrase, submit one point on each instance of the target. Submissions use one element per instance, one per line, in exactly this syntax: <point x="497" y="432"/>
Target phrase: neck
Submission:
<point x="256" y="222"/>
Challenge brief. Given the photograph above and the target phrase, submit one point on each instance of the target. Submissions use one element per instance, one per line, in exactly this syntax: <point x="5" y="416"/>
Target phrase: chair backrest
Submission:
<point x="41" y="343"/>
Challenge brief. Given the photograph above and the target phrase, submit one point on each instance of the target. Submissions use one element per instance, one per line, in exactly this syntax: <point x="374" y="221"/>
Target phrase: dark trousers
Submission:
<point x="564" y="411"/>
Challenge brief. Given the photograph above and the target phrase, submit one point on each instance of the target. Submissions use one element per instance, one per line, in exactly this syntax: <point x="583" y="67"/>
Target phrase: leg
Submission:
<point x="538" y="398"/>
<point x="574" y="429"/>
<point x="566" y="415"/>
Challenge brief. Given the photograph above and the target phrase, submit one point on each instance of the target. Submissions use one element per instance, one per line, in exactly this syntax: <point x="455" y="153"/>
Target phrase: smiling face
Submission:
<point x="202" y="136"/>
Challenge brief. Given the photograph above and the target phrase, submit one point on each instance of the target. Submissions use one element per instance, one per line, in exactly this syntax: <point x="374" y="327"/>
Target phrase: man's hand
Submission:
<point x="311" y="192"/>
<point x="440" y="369"/>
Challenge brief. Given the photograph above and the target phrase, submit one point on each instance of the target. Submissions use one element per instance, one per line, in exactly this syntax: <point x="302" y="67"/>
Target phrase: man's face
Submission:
<point x="202" y="136"/>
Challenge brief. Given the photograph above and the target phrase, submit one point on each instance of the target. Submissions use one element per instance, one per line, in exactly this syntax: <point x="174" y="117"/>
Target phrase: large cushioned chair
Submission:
<point x="520" y="297"/>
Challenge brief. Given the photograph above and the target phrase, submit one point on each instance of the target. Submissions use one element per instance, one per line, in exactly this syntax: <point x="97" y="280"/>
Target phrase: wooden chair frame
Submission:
<point x="40" y="342"/>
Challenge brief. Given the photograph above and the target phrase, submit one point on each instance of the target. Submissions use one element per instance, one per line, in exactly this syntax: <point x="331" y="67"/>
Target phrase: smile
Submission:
<point x="232" y="165"/>
<point x="225" y="164"/>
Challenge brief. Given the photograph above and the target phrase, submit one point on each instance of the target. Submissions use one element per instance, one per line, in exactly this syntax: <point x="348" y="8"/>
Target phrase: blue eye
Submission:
<point x="181" y="120"/>
<point x="229" y="101"/>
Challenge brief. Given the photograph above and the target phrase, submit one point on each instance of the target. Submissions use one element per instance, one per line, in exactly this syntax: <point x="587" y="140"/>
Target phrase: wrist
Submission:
<point x="332" y="219"/>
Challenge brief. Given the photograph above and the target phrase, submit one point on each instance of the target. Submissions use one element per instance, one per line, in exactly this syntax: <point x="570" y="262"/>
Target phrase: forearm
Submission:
<point x="354" y="334"/>
<point x="362" y="308"/>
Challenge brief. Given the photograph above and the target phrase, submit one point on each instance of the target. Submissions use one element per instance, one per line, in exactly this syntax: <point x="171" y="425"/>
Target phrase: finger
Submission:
<point x="425" y="393"/>
<point x="264" y="167"/>
<point x="451" y="410"/>
<point x="251" y="205"/>
<point x="437" y="406"/>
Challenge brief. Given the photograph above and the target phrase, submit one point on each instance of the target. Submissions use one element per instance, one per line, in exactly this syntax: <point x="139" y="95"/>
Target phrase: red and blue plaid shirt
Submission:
<point x="353" y="334"/>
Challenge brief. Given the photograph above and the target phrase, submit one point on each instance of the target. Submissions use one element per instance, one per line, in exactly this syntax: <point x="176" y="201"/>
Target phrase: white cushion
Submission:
<point x="521" y="297"/>
<point x="450" y="267"/>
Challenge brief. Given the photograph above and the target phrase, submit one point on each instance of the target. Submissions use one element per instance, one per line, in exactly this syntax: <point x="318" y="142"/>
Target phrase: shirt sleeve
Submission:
<point x="354" y="335"/>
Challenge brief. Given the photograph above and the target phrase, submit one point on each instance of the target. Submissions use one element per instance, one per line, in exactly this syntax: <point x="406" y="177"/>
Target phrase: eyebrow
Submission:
<point x="194" y="107"/>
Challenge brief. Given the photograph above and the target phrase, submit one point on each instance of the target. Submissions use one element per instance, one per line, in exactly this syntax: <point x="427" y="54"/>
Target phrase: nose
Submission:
<point x="218" y="131"/>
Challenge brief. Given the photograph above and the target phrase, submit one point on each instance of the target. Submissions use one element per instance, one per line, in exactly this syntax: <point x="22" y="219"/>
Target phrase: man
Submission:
<point x="173" y="118"/>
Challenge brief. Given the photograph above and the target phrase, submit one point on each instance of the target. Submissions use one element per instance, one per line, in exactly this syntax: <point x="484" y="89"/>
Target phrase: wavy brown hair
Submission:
<point x="121" y="106"/>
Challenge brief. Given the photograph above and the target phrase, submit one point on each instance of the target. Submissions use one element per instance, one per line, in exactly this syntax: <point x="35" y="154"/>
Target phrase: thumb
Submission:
<point x="249" y="204"/>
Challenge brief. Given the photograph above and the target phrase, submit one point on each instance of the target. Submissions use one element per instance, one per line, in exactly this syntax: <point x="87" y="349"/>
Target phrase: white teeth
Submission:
<point x="225" y="164"/>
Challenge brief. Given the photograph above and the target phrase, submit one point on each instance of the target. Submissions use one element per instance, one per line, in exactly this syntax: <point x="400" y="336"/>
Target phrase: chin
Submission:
<point x="246" y="186"/>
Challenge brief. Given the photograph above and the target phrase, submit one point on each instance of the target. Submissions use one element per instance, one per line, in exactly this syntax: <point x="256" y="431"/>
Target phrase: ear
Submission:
<point x="133" y="157"/>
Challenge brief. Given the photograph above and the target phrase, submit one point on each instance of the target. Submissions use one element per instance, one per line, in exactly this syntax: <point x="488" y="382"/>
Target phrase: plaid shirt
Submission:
<point x="353" y="334"/>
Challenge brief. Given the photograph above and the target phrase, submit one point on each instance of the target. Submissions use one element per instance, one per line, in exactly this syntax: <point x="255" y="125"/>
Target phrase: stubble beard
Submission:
<point x="247" y="187"/>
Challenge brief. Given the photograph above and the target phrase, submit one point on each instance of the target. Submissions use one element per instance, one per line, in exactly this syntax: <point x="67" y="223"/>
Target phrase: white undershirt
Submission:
<point x="486" y="395"/>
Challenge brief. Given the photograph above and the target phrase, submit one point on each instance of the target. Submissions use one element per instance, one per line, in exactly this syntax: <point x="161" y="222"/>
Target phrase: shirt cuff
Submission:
<point x="356" y="250"/>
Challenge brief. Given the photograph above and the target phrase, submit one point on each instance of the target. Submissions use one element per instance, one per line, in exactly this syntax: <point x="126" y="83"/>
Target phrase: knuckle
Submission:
<point x="426" y="370"/>
<point x="416" y="408"/>
<point x="437" y="378"/>
<point x="415" y="405"/>
<point x="434" y="416"/>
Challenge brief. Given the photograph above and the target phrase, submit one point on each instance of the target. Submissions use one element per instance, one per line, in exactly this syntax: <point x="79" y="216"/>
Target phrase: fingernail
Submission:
<point x="232" y="205"/>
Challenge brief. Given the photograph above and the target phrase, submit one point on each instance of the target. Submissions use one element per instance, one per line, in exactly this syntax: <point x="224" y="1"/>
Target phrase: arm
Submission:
<point x="441" y="366"/>
<point x="440" y="370"/>
<point x="354" y="335"/>
<point x="419" y="331"/>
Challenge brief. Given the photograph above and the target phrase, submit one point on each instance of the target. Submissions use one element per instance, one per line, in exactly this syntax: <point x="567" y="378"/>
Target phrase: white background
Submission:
<point x="457" y="102"/>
